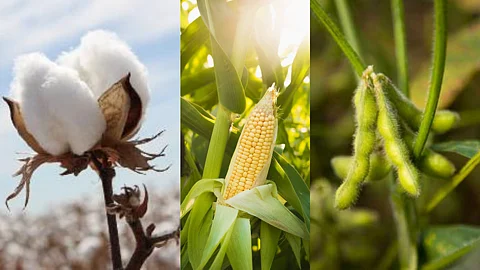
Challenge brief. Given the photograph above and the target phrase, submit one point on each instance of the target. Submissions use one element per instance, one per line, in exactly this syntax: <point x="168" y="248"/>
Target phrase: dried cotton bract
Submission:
<point x="81" y="110"/>
<point x="253" y="154"/>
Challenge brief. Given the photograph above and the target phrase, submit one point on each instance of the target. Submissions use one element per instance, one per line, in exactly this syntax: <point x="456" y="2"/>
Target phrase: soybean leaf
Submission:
<point x="462" y="51"/>
<point x="239" y="250"/>
<point x="465" y="148"/>
<point x="445" y="244"/>
<point x="223" y="221"/>
<point x="269" y="236"/>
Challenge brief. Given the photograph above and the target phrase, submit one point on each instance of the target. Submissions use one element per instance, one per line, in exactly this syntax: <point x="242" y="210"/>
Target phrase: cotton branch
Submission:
<point x="128" y="205"/>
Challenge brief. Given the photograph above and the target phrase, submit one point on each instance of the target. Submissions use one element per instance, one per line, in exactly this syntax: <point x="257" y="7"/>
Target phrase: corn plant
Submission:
<point x="245" y="152"/>
<point x="394" y="141"/>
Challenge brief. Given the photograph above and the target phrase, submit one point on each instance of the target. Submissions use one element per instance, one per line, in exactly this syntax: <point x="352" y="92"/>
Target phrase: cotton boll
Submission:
<point x="72" y="103"/>
<point x="102" y="59"/>
<point x="59" y="109"/>
<point x="30" y="72"/>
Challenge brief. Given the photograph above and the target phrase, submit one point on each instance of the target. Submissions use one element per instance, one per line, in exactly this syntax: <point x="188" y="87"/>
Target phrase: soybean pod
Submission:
<point x="430" y="163"/>
<point x="444" y="119"/>
<point x="363" y="146"/>
<point x="395" y="148"/>
<point x="379" y="166"/>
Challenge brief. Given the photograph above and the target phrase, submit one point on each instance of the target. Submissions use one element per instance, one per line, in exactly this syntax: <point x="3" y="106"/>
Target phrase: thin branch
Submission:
<point x="107" y="173"/>
<point x="337" y="35"/>
<point x="398" y="13"/>
<point x="439" y="55"/>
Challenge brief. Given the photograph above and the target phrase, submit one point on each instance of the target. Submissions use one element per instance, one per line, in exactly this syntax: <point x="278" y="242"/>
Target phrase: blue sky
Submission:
<point x="151" y="28"/>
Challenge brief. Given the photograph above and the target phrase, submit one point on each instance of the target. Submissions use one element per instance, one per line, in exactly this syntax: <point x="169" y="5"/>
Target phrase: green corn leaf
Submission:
<point x="192" y="39"/>
<point x="269" y="236"/>
<point x="202" y="186"/>
<point x="296" y="245"/>
<point x="291" y="186"/>
<point x="195" y="81"/>
<point x="263" y="203"/>
<point x="223" y="221"/>
<point x="201" y="218"/>
<point x="184" y="262"/>
<point x="193" y="175"/>
<point x="465" y="148"/>
<point x="443" y="245"/>
<point x="239" y="250"/>
<point x="194" y="120"/>
<point x="300" y="70"/>
<point x="218" y="261"/>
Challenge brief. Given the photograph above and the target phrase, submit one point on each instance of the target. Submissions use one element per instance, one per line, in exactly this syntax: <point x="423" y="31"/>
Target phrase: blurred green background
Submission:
<point x="362" y="238"/>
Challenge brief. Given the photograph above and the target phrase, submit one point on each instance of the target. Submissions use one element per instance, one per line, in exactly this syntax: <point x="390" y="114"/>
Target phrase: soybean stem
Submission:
<point x="398" y="13"/>
<point x="337" y="35"/>
<point x="439" y="55"/>
<point x="346" y="22"/>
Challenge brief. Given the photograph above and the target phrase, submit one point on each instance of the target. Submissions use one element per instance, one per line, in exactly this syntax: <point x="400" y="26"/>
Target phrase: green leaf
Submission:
<point x="269" y="236"/>
<point x="465" y="148"/>
<point x="194" y="120"/>
<point x="463" y="61"/>
<point x="263" y="203"/>
<point x="239" y="250"/>
<point x="192" y="39"/>
<point x="201" y="219"/>
<point x="296" y="244"/>
<point x="300" y="70"/>
<point x="223" y="220"/>
<point x="218" y="261"/>
<point x="197" y="80"/>
<point x="202" y="186"/>
<point x="445" y="244"/>
<point x="291" y="186"/>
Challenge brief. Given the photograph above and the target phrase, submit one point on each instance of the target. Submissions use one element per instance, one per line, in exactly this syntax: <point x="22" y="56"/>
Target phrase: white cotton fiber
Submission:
<point x="102" y="59"/>
<point x="59" y="109"/>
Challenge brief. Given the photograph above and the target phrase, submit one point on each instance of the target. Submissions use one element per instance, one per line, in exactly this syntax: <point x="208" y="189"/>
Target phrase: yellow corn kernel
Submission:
<point x="251" y="160"/>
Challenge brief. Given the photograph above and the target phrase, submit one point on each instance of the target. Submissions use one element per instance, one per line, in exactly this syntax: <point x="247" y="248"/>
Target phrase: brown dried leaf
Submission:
<point x="131" y="157"/>
<point x="19" y="123"/>
<point x="142" y="208"/>
<point x="26" y="171"/>
<point x="115" y="105"/>
<point x="132" y="125"/>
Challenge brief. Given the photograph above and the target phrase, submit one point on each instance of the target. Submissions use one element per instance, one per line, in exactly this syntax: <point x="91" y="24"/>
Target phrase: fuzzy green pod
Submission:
<point x="379" y="166"/>
<point x="444" y="120"/>
<point x="431" y="163"/>
<point x="395" y="148"/>
<point x="363" y="146"/>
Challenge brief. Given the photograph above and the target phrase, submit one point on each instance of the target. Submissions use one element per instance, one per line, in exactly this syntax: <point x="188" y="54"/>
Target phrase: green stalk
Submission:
<point x="456" y="180"/>
<point x="346" y="22"/>
<point x="439" y="55"/>
<point x="403" y="213"/>
<point x="337" y="35"/>
<point x="218" y="143"/>
<point x="400" y="45"/>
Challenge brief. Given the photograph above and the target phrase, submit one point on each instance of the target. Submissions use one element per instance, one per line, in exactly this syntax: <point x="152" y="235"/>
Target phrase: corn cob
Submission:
<point x="251" y="159"/>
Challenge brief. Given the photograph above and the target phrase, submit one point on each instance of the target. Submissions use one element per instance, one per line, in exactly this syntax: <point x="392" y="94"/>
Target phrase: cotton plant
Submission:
<point x="83" y="110"/>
